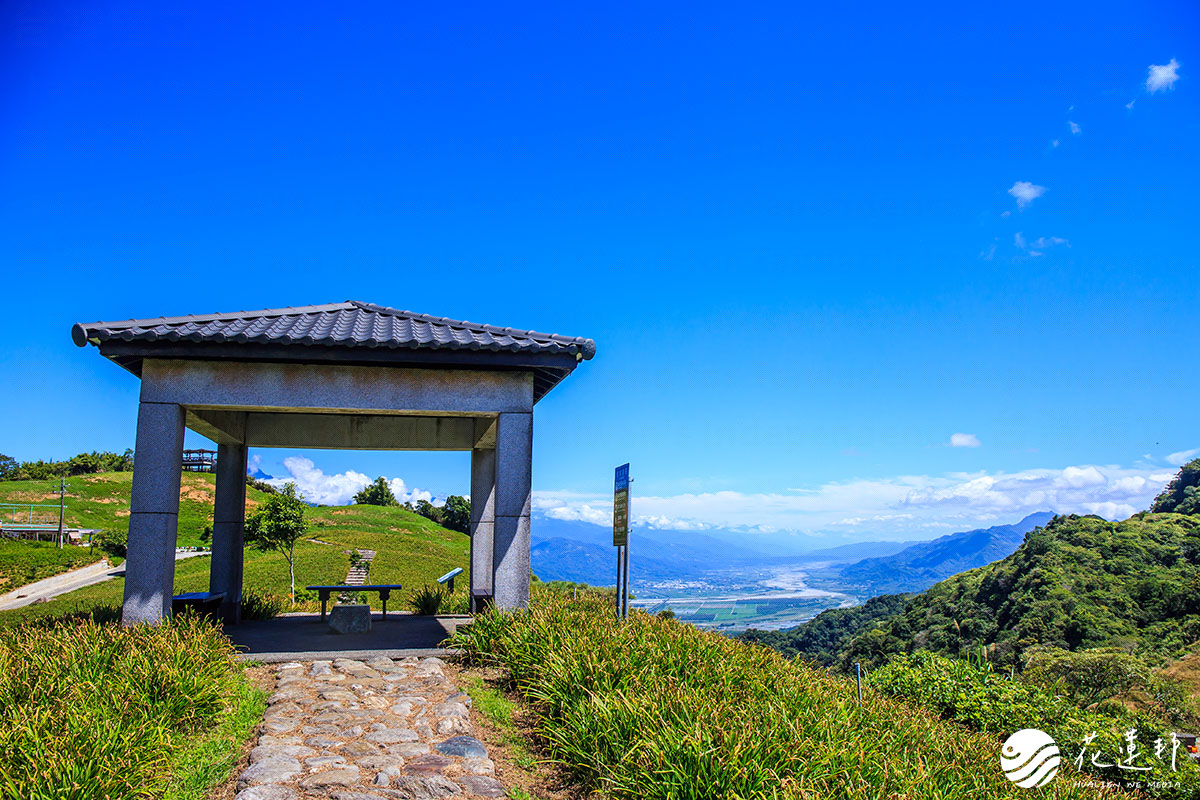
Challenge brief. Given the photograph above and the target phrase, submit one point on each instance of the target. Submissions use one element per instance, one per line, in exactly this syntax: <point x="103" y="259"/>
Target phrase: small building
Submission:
<point x="352" y="376"/>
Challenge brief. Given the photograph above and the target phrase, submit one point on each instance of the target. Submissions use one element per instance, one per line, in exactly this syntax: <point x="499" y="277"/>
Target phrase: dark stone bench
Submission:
<point x="384" y="591"/>
<point x="206" y="603"/>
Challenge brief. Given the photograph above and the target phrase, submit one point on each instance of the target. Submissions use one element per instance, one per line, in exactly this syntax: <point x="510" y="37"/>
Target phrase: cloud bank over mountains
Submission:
<point x="903" y="507"/>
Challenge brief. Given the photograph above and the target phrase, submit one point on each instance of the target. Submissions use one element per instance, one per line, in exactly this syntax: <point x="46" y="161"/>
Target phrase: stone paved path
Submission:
<point x="375" y="730"/>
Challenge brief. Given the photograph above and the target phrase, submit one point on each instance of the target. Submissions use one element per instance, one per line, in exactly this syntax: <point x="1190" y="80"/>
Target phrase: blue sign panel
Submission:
<point x="622" y="478"/>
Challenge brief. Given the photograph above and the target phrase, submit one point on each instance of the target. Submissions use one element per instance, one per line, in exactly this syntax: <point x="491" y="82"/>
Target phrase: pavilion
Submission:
<point x="352" y="376"/>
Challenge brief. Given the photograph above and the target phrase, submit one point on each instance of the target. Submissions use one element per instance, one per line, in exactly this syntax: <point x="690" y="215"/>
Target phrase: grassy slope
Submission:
<point x="26" y="562"/>
<point x="652" y="708"/>
<point x="410" y="549"/>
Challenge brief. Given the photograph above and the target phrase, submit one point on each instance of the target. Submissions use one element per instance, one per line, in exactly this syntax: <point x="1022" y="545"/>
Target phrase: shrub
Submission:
<point x="652" y="708"/>
<point x="114" y="544"/>
<point x="427" y="600"/>
<point x="92" y="710"/>
<point x="984" y="700"/>
<point x="262" y="605"/>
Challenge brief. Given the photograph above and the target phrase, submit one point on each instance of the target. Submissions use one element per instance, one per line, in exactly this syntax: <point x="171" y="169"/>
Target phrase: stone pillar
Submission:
<point x="154" y="514"/>
<point x="483" y="519"/>
<point x="510" y="557"/>
<point x="229" y="520"/>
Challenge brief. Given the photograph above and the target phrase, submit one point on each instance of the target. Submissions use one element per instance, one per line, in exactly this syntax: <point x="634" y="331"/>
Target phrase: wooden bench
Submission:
<point x="384" y="591"/>
<point x="207" y="603"/>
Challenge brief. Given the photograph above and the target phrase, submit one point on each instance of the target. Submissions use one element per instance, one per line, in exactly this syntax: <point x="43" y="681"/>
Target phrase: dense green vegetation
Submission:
<point x="653" y="708"/>
<point x="1077" y="583"/>
<point x="972" y="693"/>
<point x="1182" y="495"/>
<point x="24" y="562"/>
<point x="93" y="710"/>
<point x="82" y="464"/>
<point x="823" y="638"/>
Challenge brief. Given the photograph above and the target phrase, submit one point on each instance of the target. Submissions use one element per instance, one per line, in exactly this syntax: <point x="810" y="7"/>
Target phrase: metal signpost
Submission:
<point x="621" y="537"/>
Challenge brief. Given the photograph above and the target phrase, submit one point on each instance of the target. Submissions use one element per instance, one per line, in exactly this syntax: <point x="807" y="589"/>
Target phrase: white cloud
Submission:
<point x="1040" y="245"/>
<point x="1162" y="76"/>
<point x="1026" y="192"/>
<point x="898" y="507"/>
<point x="1183" y="456"/>
<point x="1046" y="242"/>
<point x="964" y="440"/>
<point x="1129" y="105"/>
<point x="1075" y="129"/>
<point x="1054" y="143"/>
<point x="339" y="489"/>
<point x="406" y="495"/>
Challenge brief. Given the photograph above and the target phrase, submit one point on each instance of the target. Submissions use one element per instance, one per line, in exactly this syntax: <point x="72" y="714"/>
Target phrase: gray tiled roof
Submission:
<point x="351" y="324"/>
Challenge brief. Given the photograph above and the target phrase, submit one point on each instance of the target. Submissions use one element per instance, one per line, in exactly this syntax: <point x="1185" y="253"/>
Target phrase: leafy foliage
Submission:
<point x="1078" y="583"/>
<point x="376" y="493"/>
<point x="456" y="514"/>
<point x="278" y="525"/>
<point x="262" y="486"/>
<point x="97" y="710"/>
<point x="258" y="604"/>
<point x="114" y="544"/>
<point x="652" y="708"/>
<point x="82" y="464"/>
<point x="972" y="693"/>
<point x="1110" y="678"/>
<point x="1182" y="495"/>
<point x="427" y="600"/>
<point x="824" y="637"/>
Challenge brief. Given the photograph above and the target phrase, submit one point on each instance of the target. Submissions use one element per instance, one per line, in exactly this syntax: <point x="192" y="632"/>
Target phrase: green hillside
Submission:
<point x="410" y="550"/>
<point x="1078" y="583"/>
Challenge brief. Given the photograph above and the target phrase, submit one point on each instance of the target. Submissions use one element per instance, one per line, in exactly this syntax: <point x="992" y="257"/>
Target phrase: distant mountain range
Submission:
<point x="919" y="566"/>
<point x="582" y="552"/>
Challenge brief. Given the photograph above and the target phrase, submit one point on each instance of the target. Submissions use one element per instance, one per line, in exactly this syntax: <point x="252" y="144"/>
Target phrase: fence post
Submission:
<point x="858" y="680"/>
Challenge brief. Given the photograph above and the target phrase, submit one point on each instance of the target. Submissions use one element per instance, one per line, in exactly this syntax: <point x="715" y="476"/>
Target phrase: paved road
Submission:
<point x="69" y="582"/>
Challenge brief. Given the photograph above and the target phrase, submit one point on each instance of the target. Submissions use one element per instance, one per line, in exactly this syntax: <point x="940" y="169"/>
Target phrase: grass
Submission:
<point x="652" y="708"/>
<point x="24" y="562"/>
<point x="95" y="710"/>
<point x="410" y="550"/>
<point x="211" y="758"/>
<point x="500" y="711"/>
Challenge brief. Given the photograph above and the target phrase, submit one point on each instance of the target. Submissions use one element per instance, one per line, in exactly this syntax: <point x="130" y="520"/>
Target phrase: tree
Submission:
<point x="1182" y="495"/>
<point x="456" y="514"/>
<point x="8" y="467"/>
<point x="376" y="493"/>
<point x="429" y="511"/>
<point x="278" y="525"/>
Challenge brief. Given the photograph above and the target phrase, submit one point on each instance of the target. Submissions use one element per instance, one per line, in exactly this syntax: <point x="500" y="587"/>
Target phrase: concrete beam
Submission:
<point x="154" y="514"/>
<point x="222" y="427"/>
<point x="258" y="386"/>
<point x="359" y="431"/>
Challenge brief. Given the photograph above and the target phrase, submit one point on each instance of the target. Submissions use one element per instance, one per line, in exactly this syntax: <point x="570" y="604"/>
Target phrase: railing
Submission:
<point x="28" y="515"/>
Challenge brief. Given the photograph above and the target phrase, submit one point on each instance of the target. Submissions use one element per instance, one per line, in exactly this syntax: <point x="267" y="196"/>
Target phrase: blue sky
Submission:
<point x="811" y="246"/>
